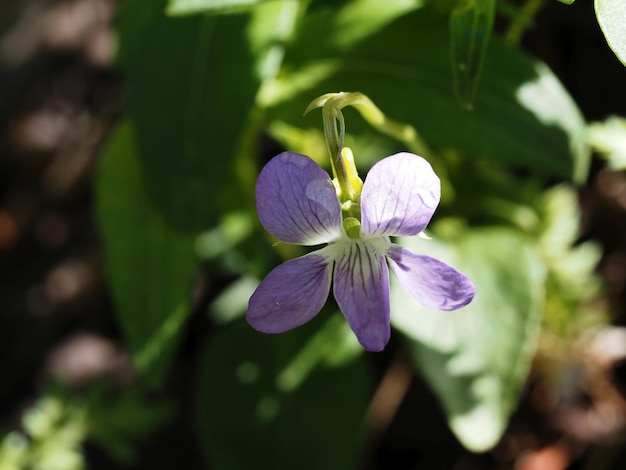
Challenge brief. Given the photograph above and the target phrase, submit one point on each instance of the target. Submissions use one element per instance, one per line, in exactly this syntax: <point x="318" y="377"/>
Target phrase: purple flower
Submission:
<point x="297" y="203"/>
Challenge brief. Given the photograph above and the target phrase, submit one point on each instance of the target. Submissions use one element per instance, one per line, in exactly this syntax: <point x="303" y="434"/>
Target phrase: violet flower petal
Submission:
<point x="431" y="282"/>
<point x="291" y="294"/>
<point x="361" y="288"/>
<point x="399" y="196"/>
<point x="297" y="202"/>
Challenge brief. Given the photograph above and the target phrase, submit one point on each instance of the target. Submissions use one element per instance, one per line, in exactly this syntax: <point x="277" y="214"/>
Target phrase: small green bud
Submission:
<point x="352" y="227"/>
<point x="351" y="209"/>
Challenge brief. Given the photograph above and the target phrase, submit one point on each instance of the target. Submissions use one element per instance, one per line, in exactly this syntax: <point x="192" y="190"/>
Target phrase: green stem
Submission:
<point x="405" y="133"/>
<point x="522" y="21"/>
<point x="334" y="132"/>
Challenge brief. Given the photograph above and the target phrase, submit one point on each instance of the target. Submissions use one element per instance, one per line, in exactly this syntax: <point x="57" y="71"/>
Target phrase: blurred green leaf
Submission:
<point x="118" y="421"/>
<point x="190" y="7"/>
<point x="272" y="24"/>
<point x="477" y="358"/>
<point x="232" y="302"/>
<point x="560" y="213"/>
<point x="190" y="83"/>
<point x="324" y="31"/>
<point x="609" y="139"/>
<point x="611" y="15"/>
<point x="54" y="429"/>
<point x="523" y="116"/>
<point x="149" y="263"/>
<point x="567" y="2"/>
<point x="235" y="227"/>
<point x="295" y="400"/>
<point x="14" y="451"/>
<point x="470" y="30"/>
<point x="572" y="280"/>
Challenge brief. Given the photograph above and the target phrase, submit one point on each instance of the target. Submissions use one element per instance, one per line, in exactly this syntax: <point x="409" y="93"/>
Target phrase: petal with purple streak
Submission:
<point x="399" y="196"/>
<point x="297" y="202"/>
<point x="291" y="294"/>
<point x="361" y="288"/>
<point x="431" y="282"/>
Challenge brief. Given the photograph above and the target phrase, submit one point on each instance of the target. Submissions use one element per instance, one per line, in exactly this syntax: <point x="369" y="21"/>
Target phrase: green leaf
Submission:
<point x="119" y="421"/>
<point x="268" y="43"/>
<point x="609" y="139"/>
<point x="191" y="84"/>
<point x="191" y="7"/>
<point x="523" y="116"/>
<point x="51" y="435"/>
<point x="470" y="30"/>
<point x="611" y="15"/>
<point x="567" y="2"/>
<point x="295" y="400"/>
<point x="149" y="263"/>
<point x="572" y="282"/>
<point x="477" y="358"/>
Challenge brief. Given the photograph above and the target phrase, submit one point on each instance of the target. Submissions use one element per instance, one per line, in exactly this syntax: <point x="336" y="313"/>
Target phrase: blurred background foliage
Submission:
<point x="132" y="135"/>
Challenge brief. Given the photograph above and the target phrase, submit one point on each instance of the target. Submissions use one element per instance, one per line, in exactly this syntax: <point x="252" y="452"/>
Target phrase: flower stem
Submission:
<point x="334" y="133"/>
<point x="522" y="21"/>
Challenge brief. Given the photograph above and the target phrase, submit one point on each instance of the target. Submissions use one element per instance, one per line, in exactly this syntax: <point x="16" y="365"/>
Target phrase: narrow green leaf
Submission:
<point x="567" y="2"/>
<point x="611" y="15"/>
<point x="192" y="7"/>
<point x="470" y="30"/>
<point x="150" y="264"/>
<point x="191" y="83"/>
<point x="295" y="400"/>
<point x="477" y="358"/>
<point x="272" y="25"/>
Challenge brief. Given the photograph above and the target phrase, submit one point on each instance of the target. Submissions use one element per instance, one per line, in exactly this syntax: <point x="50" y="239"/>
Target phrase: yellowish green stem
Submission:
<point x="522" y="21"/>
<point x="342" y="160"/>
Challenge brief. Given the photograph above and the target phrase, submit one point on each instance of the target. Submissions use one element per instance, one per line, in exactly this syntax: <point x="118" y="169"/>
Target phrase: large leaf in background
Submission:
<point x="190" y="83"/>
<point x="470" y="30"/>
<point x="150" y="264"/>
<point x="295" y="400"/>
<point x="523" y="116"/>
<point x="611" y="15"/>
<point x="477" y="358"/>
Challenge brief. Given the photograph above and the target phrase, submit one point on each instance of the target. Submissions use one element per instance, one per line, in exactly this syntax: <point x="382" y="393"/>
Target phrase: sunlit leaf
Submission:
<point x="189" y="7"/>
<point x="295" y="400"/>
<point x="50" y="436"/>
<point x="272" y="24"/>
<point x="609" y="139"/>
<point x="233" y="300"/>
<point x="523" y="116"/>
<point x="470" y="29"/>
<point x="611" y="15"/>
<point x="150" y="265"/>
<point x="477" y="358"/>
